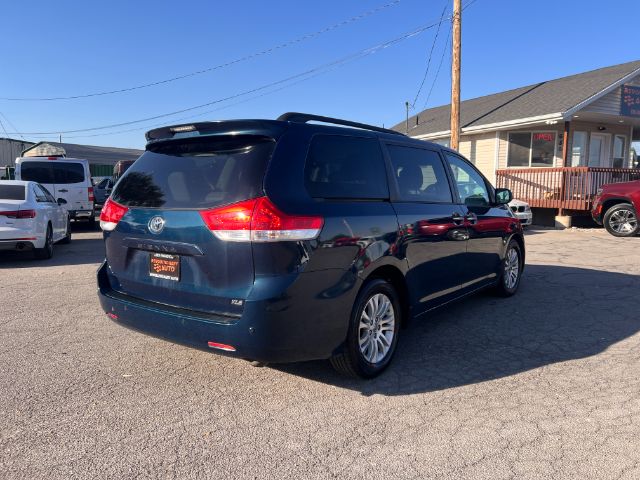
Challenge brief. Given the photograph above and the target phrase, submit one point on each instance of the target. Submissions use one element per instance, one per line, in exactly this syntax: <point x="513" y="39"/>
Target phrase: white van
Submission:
<point x="67" y="178"/>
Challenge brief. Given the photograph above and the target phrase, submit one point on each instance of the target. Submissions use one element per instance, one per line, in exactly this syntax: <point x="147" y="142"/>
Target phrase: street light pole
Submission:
<point x="455" y="76"/>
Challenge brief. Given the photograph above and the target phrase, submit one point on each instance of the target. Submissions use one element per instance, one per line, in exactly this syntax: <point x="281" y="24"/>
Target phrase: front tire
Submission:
<point x="621" y="220"/>
<point x="45" y="252"/>
<point x="373" y="331"/>
<point x="511" y="270"/>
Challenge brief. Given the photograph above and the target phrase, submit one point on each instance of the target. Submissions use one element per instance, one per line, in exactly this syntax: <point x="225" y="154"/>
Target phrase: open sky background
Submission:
<point x="68" y="48"/>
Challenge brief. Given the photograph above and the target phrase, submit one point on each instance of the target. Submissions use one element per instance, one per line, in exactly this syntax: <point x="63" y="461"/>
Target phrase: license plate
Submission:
<point x="162" y="265"/>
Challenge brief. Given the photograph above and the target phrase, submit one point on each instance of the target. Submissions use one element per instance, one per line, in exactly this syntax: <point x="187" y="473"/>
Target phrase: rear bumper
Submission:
<point x="7" y="245"/>
<point x="273" y="330"/>
<point x="81" y="214"/>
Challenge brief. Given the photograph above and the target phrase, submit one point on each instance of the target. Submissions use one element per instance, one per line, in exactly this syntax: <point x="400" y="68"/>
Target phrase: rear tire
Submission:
<point x="510" y="270"/>
<point x="45" y="252"/>
<point x="373" y="332"/>
<point x="67" y="238"/>
<point x="92" y="221"/>
<point x="621" y="220"/>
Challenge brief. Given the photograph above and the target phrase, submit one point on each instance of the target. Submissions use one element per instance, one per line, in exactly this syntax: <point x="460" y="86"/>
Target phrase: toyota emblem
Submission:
<point x="156" y="224"/>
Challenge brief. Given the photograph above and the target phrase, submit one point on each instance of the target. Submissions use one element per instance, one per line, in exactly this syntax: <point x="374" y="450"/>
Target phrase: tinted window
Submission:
<point x="196" y="173"/>
<point x="471" y="186"/>
<point x="41" y="172"/>
<point x="420" y="175"/>
<point x="103" y="183"/>
<point x="52" y="172"/>
<point x="12" y="192"/>
<point x="345" y="167"/>
<point x="68" y="172"/>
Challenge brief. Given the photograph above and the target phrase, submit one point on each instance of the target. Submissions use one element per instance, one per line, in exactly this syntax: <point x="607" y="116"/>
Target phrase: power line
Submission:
<point x="189" y="117"/>
<point x="339" y="62"/>
<point x="446" y="49"/>
<point x="433" y="46"/>
<point x="11" y="125"/>
<point x="216" y="67"/>
<point x="4" y="129"/>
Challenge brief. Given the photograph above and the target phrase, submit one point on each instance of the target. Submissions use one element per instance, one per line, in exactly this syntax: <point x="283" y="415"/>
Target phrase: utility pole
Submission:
<point x="406" y="122"/>
<point x="455" y="76"/>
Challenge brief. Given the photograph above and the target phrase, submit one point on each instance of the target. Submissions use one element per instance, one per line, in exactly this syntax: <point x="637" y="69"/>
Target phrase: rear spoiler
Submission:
<point x="268" y="128"/>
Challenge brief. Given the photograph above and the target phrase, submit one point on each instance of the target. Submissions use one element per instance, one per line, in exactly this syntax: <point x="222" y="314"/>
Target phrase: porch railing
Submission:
<point x="566" y="188"/>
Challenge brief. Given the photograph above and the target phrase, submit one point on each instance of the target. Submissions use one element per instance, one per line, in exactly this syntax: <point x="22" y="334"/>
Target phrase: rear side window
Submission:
<point x="196" y="173"/>
<point x="420" y="175"/>
<point x="12" y="192"/>
<point x="68" y="172"/>
<point x="345" y="167"/>
<point x="52" y="171"/>
<point x="40" y="172"/>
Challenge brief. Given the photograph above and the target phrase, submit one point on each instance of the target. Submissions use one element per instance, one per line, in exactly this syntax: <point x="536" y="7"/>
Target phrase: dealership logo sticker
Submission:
<point x="156" y="224"/>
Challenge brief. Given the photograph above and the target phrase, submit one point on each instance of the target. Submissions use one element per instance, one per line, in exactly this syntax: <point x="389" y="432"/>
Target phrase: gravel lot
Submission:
<point x="542" y="385"/>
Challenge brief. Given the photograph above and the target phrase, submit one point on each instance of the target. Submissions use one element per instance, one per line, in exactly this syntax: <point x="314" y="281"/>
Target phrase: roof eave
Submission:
<point x="550" y="118"/>
<point x="569" y="113"/>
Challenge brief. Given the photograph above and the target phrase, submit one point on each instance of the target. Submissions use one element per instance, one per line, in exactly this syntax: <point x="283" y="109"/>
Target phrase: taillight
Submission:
<point x="259" y="220"/>
<point x="90" y="192"/>
<point x="111" y="214"/>
<point x="19" y="214"/>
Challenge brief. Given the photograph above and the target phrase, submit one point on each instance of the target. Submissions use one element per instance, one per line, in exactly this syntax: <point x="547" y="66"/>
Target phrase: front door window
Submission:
<point x="598" y="150"/>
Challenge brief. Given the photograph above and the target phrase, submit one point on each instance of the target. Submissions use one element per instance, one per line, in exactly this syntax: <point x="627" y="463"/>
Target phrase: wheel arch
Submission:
<point x="396" y="278"/>
<point x="612" y="202"/>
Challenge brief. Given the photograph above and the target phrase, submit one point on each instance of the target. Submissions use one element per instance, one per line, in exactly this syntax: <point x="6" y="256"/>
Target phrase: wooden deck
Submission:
<point x="562" y="188"/>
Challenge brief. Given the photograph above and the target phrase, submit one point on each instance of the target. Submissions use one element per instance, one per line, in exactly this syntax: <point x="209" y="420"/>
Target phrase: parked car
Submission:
<point x="31" y="219"/>
<point x="218" y="239"/>
<point x="616" y="206"/>
<point x="522" y="211"/>
<point x="66" y="178"/>
<point x="102" y="190"/>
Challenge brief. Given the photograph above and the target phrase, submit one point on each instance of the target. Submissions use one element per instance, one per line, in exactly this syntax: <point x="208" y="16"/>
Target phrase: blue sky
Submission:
<point x="68" y="48"/>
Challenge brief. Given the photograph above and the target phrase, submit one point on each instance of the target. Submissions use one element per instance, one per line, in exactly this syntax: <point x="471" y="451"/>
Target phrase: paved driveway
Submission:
<point x="542" y="385"/>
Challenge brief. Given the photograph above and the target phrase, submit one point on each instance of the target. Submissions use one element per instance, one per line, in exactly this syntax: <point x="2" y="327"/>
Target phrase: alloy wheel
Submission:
<point x="623" y="221"/>
<point x="377" y="328"/>
<point x="511" y="268"/>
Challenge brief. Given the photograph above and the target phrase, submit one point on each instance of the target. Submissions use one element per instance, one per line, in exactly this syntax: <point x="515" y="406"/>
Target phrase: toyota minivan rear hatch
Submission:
<point x="160" y="246"/>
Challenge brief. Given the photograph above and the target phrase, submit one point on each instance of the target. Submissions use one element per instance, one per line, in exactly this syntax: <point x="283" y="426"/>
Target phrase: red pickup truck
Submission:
<point x="616" y="207"/>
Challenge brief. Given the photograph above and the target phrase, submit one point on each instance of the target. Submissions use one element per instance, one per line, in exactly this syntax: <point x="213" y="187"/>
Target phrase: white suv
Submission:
<point x="67" y="178"/>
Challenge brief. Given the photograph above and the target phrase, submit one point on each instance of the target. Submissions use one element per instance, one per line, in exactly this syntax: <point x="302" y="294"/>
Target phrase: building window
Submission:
<point x="531" y="149"/>
<point x="579" y="149"/>
<point x="619" y="143"/>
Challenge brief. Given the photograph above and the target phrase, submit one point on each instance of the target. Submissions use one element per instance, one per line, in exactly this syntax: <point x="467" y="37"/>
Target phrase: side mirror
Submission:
<point x="62" y="201"/>
<point x="503" y="196"/>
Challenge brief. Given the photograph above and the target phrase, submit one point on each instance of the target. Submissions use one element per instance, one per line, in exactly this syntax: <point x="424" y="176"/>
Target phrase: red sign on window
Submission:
<point x="545" y="137"/>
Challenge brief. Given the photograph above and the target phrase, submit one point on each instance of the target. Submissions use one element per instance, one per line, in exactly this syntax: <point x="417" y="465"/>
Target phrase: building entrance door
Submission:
<point x="599" y="150"/>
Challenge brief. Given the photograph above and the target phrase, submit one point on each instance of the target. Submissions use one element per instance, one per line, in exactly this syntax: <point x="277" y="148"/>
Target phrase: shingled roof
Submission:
<point x="545" y="98"/>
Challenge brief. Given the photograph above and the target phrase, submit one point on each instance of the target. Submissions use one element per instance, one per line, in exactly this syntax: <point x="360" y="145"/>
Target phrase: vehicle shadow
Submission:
<point x="559" y="314"/>
<point x="80" y="251"/>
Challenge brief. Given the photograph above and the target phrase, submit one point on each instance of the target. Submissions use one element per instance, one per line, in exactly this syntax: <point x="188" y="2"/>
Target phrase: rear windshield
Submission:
<point x="12" y="192"/>
<point x="196" y="173"/>
<point x="52" y="171"/>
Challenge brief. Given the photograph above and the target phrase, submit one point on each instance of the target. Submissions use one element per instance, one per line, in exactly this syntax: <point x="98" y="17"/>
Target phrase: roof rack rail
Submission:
<point x="308" y="117"/>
